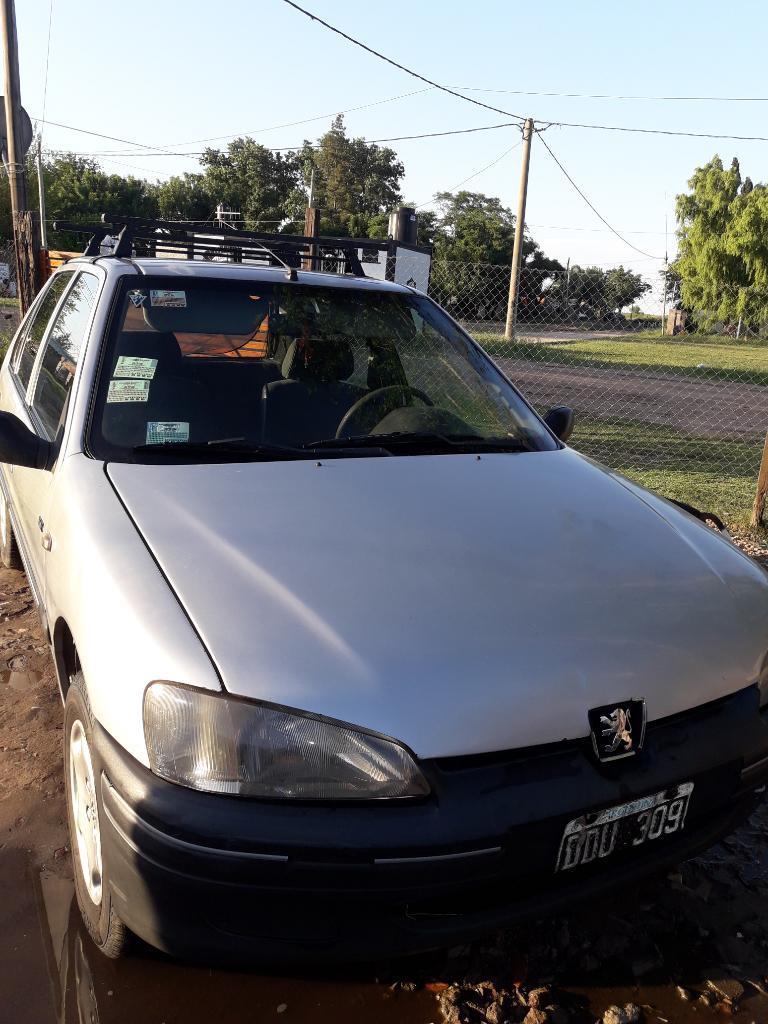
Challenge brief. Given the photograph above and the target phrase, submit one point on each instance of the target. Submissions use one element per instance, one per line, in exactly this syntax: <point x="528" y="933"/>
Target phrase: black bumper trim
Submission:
<point x="438" y="857"/>
<point x="110" y="794"/>
<point x="196" y="872"/>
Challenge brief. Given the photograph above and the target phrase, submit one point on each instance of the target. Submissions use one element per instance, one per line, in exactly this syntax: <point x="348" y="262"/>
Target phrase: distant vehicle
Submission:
<point x="357" y="656"/>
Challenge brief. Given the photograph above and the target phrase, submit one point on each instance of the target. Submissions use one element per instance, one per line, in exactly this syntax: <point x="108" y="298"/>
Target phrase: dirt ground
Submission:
<point x="691" y="946"/>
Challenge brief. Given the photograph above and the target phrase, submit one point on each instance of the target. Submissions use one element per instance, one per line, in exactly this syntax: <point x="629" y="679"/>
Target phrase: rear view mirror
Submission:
<point x="19" y="446"/>
<point x="560" y="420"/>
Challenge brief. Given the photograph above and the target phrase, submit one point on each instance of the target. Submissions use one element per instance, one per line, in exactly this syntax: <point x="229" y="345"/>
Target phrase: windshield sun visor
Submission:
<point x="195" y="311"/>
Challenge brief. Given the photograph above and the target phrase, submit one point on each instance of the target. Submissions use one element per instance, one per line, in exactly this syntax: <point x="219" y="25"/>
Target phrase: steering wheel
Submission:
<point x="371" y="409"/>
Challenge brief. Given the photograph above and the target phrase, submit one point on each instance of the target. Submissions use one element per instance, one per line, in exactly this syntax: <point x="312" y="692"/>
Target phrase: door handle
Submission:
<point x="45" y="540"/>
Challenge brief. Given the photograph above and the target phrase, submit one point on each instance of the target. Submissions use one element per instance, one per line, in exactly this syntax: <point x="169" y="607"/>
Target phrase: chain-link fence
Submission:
<point x="9" y="309"/>
<point x="684" y="412"/>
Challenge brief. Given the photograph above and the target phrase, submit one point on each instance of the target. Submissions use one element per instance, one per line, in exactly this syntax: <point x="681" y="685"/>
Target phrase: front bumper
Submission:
<point x="214" y="876"/>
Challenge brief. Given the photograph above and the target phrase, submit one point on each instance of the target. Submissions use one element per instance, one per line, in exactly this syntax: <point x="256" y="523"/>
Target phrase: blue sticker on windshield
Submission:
<point x="163" y="432"/>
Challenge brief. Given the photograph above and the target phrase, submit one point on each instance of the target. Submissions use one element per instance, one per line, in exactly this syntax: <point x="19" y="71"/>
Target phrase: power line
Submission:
<point x="161" y="151"/>
<point x="306" y="120"/>
<point x="394" y="63"/>
<point x="476" y="173"/>
<point x="284" y="149"/>
<point x="47" y="62"/>
<point x="112" y="138"/>
<point x="611" y="96"/>
<point x="656" y="131"/>
<point x="592" y="208"/>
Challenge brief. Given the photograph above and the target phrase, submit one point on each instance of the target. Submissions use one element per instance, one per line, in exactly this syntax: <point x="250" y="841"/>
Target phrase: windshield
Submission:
<point x="211" y="369"/>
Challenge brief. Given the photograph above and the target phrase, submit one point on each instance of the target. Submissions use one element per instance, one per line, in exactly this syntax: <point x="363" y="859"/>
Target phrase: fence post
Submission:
<point x="311" y="230"/>
<point x="26" y="231"/>
<point x="762" y="488"/>
<point x="517" y="251"/>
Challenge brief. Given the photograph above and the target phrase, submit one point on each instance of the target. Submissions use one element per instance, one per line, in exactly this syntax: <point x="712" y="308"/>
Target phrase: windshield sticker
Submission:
<point x="128" y="391"/>
<point x="137" y="298"/>
<point x="135" y="366"/>
<point x="167" y="298"/>
<point x="163" y="432"/>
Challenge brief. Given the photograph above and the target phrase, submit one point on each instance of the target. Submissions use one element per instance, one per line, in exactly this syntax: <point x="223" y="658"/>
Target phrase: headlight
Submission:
<point x="221" y="744"/>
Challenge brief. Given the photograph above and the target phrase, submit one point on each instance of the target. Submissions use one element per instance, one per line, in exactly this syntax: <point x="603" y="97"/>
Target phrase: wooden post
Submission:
<point x="311" y="230"/>
<point x="26" y="230"/>
<point x="517" y="250"/>
<point x="762" y="488"/>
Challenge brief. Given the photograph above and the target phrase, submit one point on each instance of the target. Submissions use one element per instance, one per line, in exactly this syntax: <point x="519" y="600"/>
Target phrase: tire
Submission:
<point x="9" y="549"/>
<point x="84" y="810"/>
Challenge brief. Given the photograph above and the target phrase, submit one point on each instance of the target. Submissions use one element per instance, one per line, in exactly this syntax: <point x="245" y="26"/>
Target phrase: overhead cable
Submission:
<point x="395" y="64"/>
<point x="593" y="209"/>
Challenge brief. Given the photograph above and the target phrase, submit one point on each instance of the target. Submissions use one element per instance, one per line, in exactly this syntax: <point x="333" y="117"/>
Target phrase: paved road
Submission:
<point x="701" y="408"/>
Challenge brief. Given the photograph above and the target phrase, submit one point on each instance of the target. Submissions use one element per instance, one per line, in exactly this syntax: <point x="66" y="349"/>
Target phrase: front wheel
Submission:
<point x="84" y="815"/>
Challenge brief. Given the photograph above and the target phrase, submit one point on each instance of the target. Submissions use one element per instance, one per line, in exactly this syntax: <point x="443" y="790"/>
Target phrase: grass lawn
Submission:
<point x="719" y="358"/>
<point x="5" y="301"/>
<point x="716" y="476"/>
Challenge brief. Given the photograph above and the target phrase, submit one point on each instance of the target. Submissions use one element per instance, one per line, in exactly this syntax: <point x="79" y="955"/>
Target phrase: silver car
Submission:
<point x="357" y="656"/>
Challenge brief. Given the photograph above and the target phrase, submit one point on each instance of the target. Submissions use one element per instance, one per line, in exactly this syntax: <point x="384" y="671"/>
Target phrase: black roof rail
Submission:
<point x="141" y="237"/>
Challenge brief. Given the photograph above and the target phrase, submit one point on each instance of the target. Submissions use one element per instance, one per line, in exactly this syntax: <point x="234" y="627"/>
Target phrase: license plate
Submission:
<point x="598" y="835"/>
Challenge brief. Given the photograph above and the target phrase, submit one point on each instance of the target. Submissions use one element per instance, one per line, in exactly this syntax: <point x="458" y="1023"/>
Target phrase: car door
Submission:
<point x="45" y="371"/>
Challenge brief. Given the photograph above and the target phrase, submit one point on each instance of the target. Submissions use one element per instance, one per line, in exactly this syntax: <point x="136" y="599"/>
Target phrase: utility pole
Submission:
<point x="666" y="271"/>
<point x="41" y="194"/>
<point x="16" y="171"/>
<point x="26" y="232"/>
<point x="311" y="227"/>
<point x="514" y="277"/>
<point x="568" y="289"/>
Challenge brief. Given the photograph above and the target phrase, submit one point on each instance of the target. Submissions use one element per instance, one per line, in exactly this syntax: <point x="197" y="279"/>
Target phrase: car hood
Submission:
<point x="458" y="603"/>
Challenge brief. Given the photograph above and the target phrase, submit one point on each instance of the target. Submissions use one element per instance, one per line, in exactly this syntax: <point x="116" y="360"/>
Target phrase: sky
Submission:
<point x="167" y="73"/>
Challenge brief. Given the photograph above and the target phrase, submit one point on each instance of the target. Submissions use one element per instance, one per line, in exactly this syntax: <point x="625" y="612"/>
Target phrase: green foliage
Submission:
<point x="469" y="231"/>
<point x="597" y="291"/>
<point x="77" y="189"/>
<point x="264" y="186"/>
<point x="475" y="228"/>
<point x="354" y="181"/>
<point x="723" y="233"/>
<point x="185" y="197"/>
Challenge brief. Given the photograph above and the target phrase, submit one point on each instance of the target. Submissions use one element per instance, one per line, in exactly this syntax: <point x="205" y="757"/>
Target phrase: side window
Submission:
<point x="24" y="359"/>
<point x="62" y="353"/>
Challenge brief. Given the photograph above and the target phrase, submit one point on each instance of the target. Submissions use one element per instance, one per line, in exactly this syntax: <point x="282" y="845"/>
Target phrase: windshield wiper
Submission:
<point x="224" y="446"/>
<point x="425" y="440"/>
<point x="244" y="450"/>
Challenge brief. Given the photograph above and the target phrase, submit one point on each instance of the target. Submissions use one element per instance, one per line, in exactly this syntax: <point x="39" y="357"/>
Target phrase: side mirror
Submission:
<point x="560" y="420"/>
<point x="19" y="446"/>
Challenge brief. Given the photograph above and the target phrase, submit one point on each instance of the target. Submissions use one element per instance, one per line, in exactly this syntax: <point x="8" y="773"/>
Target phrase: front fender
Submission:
<point x="127" y="623"/>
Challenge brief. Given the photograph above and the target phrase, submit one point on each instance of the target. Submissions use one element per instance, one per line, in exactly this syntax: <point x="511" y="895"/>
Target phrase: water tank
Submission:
<point x="403" y="225"/>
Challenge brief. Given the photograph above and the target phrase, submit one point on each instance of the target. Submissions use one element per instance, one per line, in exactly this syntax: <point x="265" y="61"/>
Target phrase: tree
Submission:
<point x="355" y="182"/>
<point x="77" y="189"/>
<point x="471" y="231"/>
<point x="264" y="186"/>
<point x="722" y="264"/>
<point x="595" y="291"/>
<point x="185" y="197"/>
<point x="475" y="228"/>
<point x="623" y="287"/>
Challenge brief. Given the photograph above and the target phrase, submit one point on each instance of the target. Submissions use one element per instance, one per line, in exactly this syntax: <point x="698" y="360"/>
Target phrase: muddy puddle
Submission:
<point x="51" y="972"/>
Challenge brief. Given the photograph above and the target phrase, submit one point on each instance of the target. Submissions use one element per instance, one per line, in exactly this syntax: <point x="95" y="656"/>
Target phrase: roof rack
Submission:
<point x="199" y="240"/>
